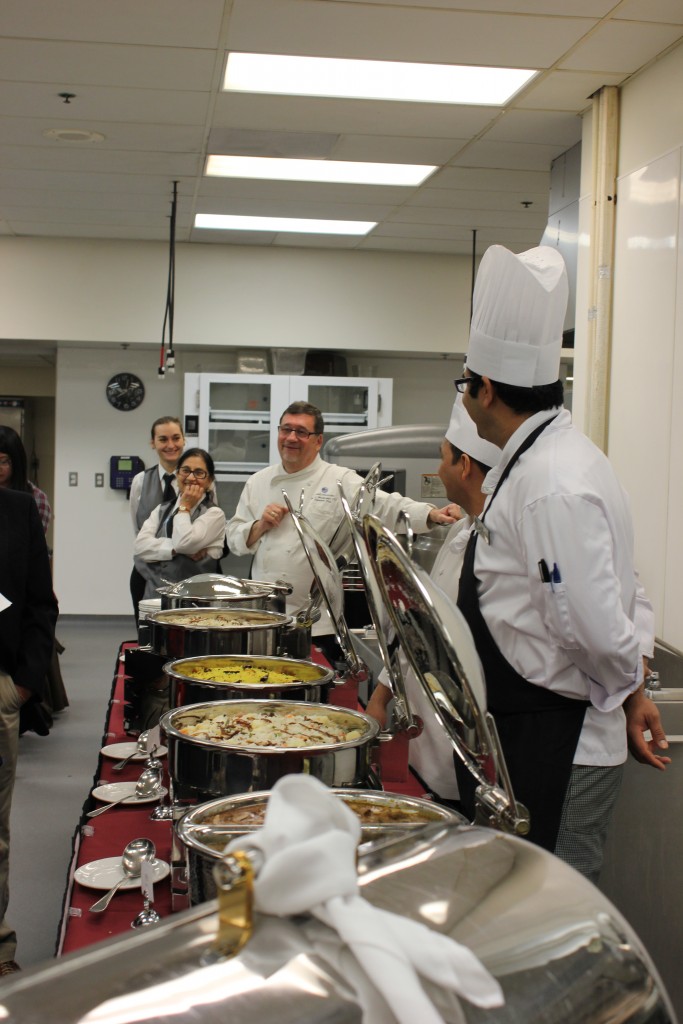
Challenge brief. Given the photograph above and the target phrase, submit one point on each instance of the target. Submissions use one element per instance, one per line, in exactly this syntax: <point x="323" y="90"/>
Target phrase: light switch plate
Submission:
<point x="73" y="479"/>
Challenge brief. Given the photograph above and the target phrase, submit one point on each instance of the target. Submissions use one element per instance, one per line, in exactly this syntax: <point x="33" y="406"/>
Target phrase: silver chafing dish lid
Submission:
<point x="560" y="950"/>
<point x="404" y="717"/>
<point x="211" y="585"/>
<point x="440" y="649"/>
<point x="327" y="580"/>
<point x="342" y="544"/>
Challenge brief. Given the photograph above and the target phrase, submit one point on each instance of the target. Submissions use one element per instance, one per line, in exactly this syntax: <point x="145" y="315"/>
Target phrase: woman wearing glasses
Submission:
<point x="184" y="537"/>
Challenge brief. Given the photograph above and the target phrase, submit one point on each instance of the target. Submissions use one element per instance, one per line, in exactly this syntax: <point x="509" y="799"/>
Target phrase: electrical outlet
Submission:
<point x="73" y="479"/>
<point x="99" y="479"/>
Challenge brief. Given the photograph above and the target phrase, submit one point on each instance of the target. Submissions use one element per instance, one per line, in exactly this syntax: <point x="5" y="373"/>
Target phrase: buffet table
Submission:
<point x="107" y="834"/>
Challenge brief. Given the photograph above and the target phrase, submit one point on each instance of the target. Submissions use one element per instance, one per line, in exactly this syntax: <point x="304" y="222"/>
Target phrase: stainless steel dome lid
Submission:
<point x="558" y="947"/>
<point x="440" y="649"/>
<point x="405" y="721"/>
<point x="327" y="580"/>
<point x="209" y="585"/>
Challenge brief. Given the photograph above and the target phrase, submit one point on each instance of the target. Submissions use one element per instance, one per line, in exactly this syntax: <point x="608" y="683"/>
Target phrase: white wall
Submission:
<point x="91" y="292"/>
<point x="646" y="419"/>
<point x="92" y="297"/>
<point x="93" y="535"/>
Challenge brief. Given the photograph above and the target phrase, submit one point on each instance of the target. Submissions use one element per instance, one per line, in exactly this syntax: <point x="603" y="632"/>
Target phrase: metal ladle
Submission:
<point x="149" y="784"/>
<point x="133" y="855"/>
<point x="148" y="914"/>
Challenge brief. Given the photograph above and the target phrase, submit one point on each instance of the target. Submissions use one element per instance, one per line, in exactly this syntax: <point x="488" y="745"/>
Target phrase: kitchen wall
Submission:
<point x="93" y="533"/>
<point x="92" y="292"/>
<point x="102" y="303"/>
<point x="645" y="414"/>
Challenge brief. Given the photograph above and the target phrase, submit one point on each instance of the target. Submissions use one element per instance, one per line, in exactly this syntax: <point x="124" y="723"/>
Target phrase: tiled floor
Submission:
<point x="54" y="777"/>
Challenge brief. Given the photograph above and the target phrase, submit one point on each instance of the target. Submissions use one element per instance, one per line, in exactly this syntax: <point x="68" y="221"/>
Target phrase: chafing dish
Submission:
<point x="202" y="769"/>
<point x="176" y="633"/>
<point x="382" y="815"/>
<point x="560" y="951"/>
<point x="224" y="677"/>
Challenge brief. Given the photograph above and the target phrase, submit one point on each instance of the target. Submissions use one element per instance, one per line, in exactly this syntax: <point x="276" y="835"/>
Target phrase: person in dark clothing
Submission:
<point x="28" y="613"/>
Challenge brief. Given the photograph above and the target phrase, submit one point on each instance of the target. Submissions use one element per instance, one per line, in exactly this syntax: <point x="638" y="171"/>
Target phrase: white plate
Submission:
<point x="105" y="873"/>
<point x="118" y="751"/>
<point x="112" y="791"/>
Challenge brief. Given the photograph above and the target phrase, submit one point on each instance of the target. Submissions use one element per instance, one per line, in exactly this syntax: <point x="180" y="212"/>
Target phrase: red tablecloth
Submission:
<point x="106" y="835"/>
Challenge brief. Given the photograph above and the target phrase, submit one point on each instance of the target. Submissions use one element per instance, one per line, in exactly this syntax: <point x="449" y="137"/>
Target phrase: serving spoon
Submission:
<point x="140" y="748"/>
<point x="149" y="784"/>
<point x="133" y="855"/>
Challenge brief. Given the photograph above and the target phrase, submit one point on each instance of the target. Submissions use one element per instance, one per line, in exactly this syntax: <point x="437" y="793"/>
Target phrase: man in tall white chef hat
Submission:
<point x="548" y="585"/>
<point x="466" y="458"/>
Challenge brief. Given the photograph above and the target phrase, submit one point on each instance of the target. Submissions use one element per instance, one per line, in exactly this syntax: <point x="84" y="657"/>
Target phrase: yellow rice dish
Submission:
<point x="254" y="675"/>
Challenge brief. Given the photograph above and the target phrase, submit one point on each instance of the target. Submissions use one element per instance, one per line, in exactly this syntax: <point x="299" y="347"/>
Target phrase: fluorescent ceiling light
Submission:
<point x="372" y="79"/>
<point x="223" y="222"/>
<point x="346" y="171"/>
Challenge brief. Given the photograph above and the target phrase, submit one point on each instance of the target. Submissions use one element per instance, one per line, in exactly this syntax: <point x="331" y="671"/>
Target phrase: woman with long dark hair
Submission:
<point x="14" y="472"/>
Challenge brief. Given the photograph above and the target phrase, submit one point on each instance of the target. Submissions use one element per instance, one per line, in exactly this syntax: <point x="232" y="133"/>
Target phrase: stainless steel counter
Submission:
<point x="644" y="852"/>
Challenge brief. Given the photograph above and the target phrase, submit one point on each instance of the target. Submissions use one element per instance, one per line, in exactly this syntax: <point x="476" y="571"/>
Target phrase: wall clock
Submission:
<point x="125" y="391"/>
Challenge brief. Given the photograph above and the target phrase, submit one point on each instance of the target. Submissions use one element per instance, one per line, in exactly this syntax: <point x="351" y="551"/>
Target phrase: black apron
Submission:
<point x="539" y="729"/>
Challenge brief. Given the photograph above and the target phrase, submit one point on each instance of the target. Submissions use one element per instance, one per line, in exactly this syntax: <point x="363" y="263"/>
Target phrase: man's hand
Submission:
<point x="377" y="705"/>
<point x="198" y="555"/>
<point x="271" y="517"/>
<point x="24" y="694"/>
<point x="449" y="514"/>
<point x="643" y="714"/>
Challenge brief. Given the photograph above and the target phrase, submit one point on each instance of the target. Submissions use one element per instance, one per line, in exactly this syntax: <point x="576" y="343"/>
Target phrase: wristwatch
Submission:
<point x="184" y="508"/>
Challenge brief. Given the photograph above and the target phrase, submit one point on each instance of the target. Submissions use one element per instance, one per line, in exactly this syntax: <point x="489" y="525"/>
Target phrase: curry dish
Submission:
<point x="271" y="728"/>
<point x="213" y="619"/>
<point x="380" y="813"/>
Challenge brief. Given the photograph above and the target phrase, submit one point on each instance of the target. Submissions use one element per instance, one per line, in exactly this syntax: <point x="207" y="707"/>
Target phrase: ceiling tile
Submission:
<point x="331" y="29"/>
<point x="566" y="90"/>
<point x="623" y="46"/>
<point x="157" y="22"/>
<point x="536" y="127"/>
<point x="99" y="105"/>
<point x="670" y="11"/>
<point x="86" y="64"/>
<point x="352" y="117"/>
<point x="508" y="154"/>
<point x="170" y="138"/>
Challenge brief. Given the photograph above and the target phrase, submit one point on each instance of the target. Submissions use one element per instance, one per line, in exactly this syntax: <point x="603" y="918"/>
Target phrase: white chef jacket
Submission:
<point x="431" y="753"/>
<point x="279" y="553"/>
<point x="577" y="635"/>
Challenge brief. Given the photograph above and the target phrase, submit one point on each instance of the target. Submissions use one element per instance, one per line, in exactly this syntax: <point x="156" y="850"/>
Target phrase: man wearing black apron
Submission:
<point x="548" y="586"/>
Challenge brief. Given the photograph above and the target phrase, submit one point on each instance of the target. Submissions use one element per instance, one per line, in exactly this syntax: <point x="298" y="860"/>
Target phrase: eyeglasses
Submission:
<point x="461" y="384"/>
<point x="198" y="474"/>
<point x="5" y="463"/>
<point x="303" y="435"/>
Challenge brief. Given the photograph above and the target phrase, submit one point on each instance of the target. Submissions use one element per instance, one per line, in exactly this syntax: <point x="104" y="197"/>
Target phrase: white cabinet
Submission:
<point x="237" y="416"/>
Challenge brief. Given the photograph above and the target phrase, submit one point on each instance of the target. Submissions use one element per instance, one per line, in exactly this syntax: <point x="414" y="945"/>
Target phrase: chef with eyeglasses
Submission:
<point x="263" y="527"/>
<point x="548" y="584"/>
